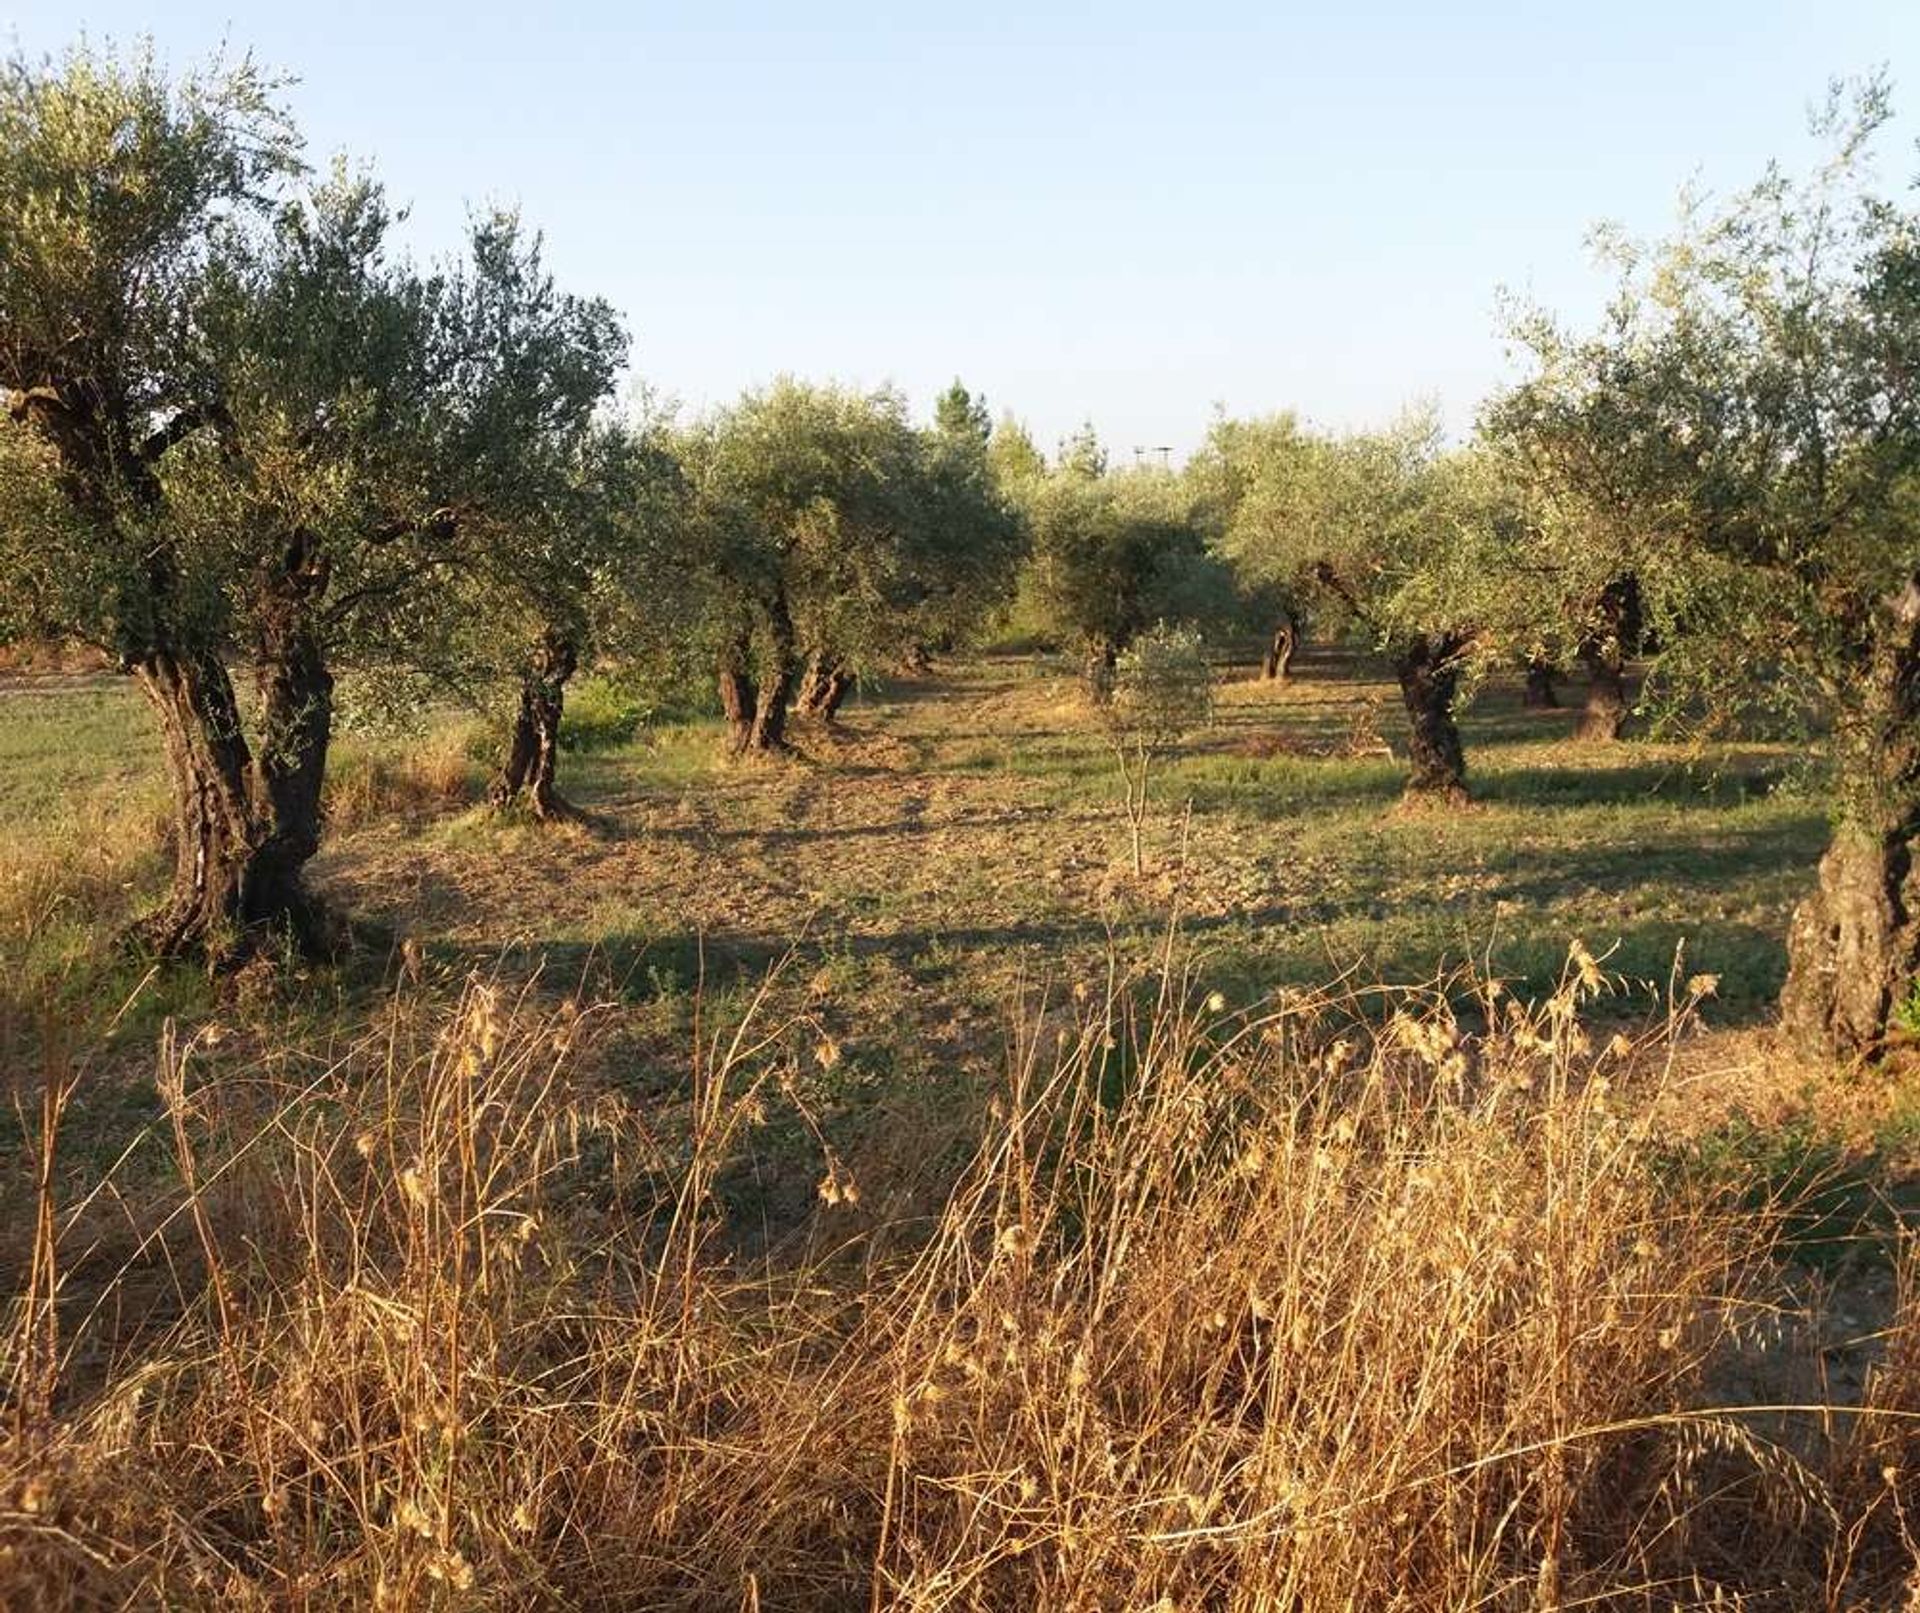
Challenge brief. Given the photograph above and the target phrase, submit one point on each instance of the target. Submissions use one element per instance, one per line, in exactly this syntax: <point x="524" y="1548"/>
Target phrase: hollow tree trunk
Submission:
<point x="1541" y="695"/>
<point x="534" y="747"/>
<point x="1853" y="950"/>
<point x="1604" y="654"/>
<point x="1429" y="672"/>
<point x="1277" y="664"/>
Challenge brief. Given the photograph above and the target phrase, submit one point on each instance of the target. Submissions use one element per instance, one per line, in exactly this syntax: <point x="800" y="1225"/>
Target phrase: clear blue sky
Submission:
<point x="1126" y="213"/>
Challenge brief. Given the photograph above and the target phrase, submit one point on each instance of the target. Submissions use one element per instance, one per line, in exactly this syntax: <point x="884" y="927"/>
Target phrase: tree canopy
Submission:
<point x="241" y="430"/>
<point x="1749" y="410"/>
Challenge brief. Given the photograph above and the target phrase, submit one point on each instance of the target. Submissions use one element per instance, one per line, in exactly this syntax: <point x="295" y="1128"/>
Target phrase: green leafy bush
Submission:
<point x="601" y="713"/>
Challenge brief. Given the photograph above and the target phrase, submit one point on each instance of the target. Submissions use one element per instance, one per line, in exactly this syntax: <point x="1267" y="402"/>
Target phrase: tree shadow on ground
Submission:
<point x="1262" y="948"/>
<point x="1629" y="781"/>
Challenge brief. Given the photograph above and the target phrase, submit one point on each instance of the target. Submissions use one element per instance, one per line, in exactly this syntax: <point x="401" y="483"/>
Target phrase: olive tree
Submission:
<point x="1585" y="555"/>
<point x="1753" y="399"/>
<point x="285" y="462"/>
<point x="1111" y="553"/>
<point x="589" y="570"/>
<point x="835" y="537"/>
<point x="120" y="195"/>
<point x="1223" y="473"/>
<point x="1407" y="545"/>
<point x="968" y="538"/>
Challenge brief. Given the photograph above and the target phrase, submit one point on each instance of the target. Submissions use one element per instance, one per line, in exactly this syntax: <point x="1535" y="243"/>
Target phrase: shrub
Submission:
<point x="1162" y="690"/>
<point x="601" y="713"/>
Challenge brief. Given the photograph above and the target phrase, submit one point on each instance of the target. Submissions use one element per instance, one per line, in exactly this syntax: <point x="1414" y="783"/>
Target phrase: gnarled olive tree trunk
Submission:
<point x="1277" y="663"/>
<point x="245" y="824"/>
<point x="1429" y="672"/>
<point x="1603" y="716"/>
<point x="290" y="771"/>
<point x="209" y="770"/>
<point x="534" y="746"/>
<point x="824" y="686"/>
<point x="1853" y="951"/>
<point x="736" y="694"/>
<point x="755" y="703"/>
<point x="1604" y="654"/>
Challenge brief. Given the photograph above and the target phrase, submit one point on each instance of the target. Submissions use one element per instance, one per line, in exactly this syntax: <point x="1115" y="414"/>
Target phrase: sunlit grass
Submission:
<point x="1190" y="1306"/>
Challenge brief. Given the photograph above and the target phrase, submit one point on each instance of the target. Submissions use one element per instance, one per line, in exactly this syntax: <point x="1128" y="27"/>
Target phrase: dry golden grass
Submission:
<point x="431" y="772"/>
<point x="1268" y="1310"/>
<point x="85" y="874"/>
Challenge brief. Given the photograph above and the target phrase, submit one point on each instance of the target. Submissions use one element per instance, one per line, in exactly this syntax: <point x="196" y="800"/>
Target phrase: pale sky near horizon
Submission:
<point x="1125" y="214"/>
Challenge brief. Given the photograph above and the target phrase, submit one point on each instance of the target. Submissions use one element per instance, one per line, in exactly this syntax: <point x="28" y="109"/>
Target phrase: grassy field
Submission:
<point x="843" y="1180"/>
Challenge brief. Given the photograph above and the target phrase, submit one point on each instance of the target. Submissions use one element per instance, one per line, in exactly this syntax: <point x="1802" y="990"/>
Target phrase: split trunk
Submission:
<point x="824" y="687"/>
<point x="533" y="750"/>
<point x="755" y="703"/>
<point x="244" y="825"/>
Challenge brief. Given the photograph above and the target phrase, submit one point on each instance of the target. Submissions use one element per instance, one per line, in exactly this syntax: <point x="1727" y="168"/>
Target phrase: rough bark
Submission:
<point x="736" y="697"/>
<point x="1604" y="654"/>
<point x="812" y="690"/>
<point x="1853" y="951"/>
<point x="1429" y="672"/>
<point x="296" y="732"/>
<point x="769" y="730"/>
<point x="824" y="686"/>
<point x="246" y="823"/>
<point x="756" y="706"/>
<point x="1277" y="663"/>
<point x="839" y="685"/>
<point x="209" y="768"/>
<point x="1854" y="945"/>
<point x="1603" y="716"/>
<point x="534" y="746"/>
<point x="1541" y="695"/>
